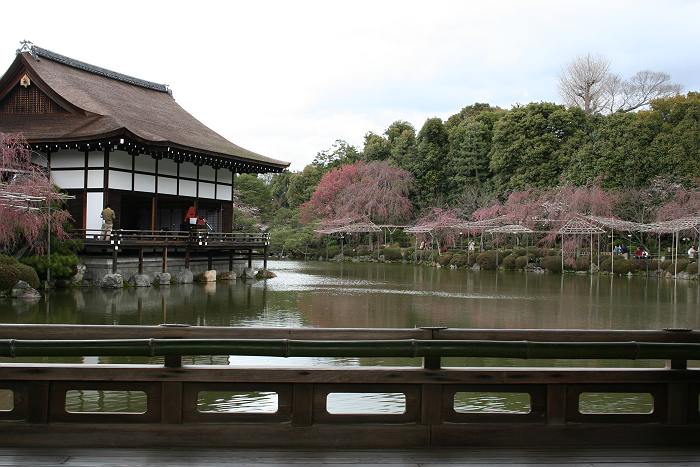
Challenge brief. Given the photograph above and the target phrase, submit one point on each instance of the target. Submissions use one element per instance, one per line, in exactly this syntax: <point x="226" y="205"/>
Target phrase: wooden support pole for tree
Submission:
<point x="612" y="251"/>
<point x="562" y="253"/>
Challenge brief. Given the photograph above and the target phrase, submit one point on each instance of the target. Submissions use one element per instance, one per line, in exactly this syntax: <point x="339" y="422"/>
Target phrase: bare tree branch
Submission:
<point x="587" y="83"/>
<point x="582" y="82"/>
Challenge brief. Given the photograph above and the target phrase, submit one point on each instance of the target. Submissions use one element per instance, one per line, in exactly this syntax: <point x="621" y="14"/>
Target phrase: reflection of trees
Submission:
<point x="377" y="295"/>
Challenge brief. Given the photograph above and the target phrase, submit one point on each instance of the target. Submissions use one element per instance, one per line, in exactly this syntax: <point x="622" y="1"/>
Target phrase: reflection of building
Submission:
<point x="112" y="138"/>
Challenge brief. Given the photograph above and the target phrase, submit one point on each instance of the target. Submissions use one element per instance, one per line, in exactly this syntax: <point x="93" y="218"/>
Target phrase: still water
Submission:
<point x="314" y="294"/>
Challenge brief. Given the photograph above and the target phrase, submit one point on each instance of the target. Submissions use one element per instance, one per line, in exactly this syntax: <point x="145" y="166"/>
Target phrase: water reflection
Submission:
<point x="377" y="295"/>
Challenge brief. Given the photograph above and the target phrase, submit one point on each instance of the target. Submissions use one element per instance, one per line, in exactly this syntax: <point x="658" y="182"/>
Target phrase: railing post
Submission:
<point x="677" y="364"/>
<point x="556" y="404"/>
<point x="432" y="362"/>
<point x="171" y="391"/>
<point x="302" y="404"/>
<point x="677" y="394"/>
<point x="431" y="393"/>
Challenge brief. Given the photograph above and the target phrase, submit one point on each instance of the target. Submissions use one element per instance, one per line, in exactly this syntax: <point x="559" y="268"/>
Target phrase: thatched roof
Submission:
<point x="81" y="102"/>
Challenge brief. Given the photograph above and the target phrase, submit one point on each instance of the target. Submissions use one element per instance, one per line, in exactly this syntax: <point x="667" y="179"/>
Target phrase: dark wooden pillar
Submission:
<point x="230" y="261"/>
<point x="154" y="211"/>
<point x="210" y="261"/>
<point x="165" y="259"/>
<point x="250" y="258"/>
<point x="187" y="257"/>
<point x="105" y="180"/>
<point x="114" y="259"/>
<point x="265" y="257"/>
<point x="140" y="260"/>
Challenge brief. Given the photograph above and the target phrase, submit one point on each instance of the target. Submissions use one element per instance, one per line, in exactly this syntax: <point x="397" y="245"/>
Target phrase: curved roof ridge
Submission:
<point x="37" y="51"/>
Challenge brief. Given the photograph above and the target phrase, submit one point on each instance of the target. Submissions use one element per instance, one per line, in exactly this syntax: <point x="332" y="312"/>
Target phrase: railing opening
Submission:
<point x="98" y="401"/>
<point x="366" y="403"/>
<point x="615" y="403"/>
<point x="492" y="402"/>
<point x="7" y="400"/>
<point x="237" y="402"/>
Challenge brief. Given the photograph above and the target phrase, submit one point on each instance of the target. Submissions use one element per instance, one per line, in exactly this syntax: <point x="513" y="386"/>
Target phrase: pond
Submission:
<point x="319" y="294"/>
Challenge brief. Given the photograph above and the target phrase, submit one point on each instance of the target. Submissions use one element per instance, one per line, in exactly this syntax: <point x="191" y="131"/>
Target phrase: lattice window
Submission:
<point x="28" y="100"/>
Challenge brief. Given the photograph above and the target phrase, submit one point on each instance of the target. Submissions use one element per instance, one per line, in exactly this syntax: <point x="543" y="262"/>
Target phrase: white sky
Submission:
<point x="287" y="78"/>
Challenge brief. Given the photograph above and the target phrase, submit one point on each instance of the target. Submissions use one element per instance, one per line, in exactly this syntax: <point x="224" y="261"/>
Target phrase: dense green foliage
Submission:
<point x="63" y="266"/>
<point x="12" y="271"/>
<point x="483" y="153"/>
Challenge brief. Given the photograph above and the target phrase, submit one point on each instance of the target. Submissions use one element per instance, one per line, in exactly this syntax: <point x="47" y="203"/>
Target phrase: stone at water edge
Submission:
<point x="140" y="280"/>
<point x="247" y="274"/>
<point x="24" y="291"/>
<point x="77" y="279"/>
<point x="112" y="281"/>
<point x="265" y="274"/>
<point x="161" y="278"/>
<point x="207" y="276"/>
<point x="184" y="277"/>
<point x="226" y="276"/>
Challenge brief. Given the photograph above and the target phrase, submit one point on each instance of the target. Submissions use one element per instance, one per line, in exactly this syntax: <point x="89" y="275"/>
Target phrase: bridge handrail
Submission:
<point x="184" y="331"/>
<point x="351" y="348"/>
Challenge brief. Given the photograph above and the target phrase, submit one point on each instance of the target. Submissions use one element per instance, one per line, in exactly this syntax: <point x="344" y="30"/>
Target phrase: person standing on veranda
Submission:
<point x="107" y="216"/>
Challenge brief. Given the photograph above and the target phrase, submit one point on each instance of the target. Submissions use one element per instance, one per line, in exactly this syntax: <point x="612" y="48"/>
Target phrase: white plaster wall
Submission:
<point x="96" y="178"/>
<point x="94" y="209"/>
<point x="67" y="158"/>
<point x="167" y="185"/>
<point x="96" y="159"/>
<point x="188" y="188"/>
<point x="145" y="163"/>
<point x="223" y="192"/>
<point x="119" y="180"/>
<point x="188" y="169"/>
<point x="69" y="178"/>
<point x="120" y="160"/>
<point x="224" y="176"/>
<point x="167" y="167"/>
<point x="145" y="183"/>
<point x="207" y="173"/>
<point x="206" y="190"/>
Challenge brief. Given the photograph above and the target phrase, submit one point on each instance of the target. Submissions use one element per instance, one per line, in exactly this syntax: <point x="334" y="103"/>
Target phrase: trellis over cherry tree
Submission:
<point x="444" y="227"/>
<point x="30" y="205"/>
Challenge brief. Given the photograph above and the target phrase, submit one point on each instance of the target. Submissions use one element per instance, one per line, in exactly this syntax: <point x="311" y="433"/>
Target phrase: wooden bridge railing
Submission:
<point x="173" y="413"/>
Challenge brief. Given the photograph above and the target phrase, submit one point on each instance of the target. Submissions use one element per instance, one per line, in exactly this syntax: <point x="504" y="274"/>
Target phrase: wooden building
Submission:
<point x="111" y="138"/>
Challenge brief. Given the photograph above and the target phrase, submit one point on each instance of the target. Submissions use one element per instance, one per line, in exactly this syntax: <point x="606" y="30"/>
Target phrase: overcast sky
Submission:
<point x="287" y="78"/>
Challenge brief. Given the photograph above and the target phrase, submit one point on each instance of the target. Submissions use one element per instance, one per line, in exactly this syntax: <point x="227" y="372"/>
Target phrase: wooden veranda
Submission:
<point x="236" y="245"/>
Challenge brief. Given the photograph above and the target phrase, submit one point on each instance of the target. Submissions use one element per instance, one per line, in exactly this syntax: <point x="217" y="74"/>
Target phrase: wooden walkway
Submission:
<point x="113" y="457"/>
